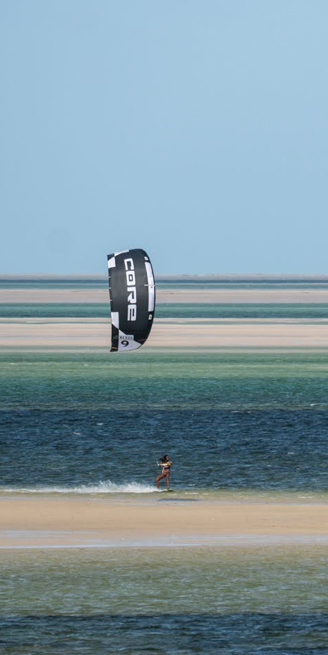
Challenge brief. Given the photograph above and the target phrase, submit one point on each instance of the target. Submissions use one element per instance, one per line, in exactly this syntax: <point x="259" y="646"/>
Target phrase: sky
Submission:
<point x="195" y="129"/>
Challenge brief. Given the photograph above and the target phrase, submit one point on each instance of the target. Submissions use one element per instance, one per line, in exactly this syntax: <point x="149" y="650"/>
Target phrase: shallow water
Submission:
<point x="270" y="600"/>
<point x="38" y="282"/>
<point x="301" y="311"/>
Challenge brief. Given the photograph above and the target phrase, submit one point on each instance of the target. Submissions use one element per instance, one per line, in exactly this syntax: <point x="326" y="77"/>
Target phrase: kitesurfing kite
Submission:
<point x="132" y="298"/>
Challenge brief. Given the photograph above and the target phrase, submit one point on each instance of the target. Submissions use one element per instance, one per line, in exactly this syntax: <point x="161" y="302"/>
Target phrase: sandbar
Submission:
<point x="75" y="333"/>
<point x="86" y="522"/>
<point x="171" y="295"/>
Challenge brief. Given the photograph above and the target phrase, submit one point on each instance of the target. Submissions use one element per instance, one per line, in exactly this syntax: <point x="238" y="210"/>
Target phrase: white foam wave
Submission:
<point x="99" y="488"/>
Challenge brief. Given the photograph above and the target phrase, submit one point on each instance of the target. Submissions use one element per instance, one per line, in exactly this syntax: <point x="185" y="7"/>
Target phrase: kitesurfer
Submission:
<point x="165" y="464"/>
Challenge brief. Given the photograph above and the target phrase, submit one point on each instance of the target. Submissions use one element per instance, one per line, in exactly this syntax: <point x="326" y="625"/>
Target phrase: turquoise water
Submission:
<point x="123" y="579"/>
<point x="168" y="282"/>
<point x="300" y="311"/>
<point x="238" y="600"/>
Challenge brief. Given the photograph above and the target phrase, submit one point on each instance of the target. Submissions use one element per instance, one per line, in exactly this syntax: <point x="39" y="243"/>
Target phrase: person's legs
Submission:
<point x="159" y="477"/>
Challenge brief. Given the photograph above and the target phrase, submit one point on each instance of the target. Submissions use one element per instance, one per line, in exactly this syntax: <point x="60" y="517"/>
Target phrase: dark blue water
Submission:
<point x="259" y="449"/>
<point x="235" y="634"/>
<point x="228" y="422"/>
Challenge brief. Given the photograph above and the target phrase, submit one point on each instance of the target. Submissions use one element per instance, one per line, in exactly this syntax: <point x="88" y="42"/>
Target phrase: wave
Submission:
<point x="98" y="488"/>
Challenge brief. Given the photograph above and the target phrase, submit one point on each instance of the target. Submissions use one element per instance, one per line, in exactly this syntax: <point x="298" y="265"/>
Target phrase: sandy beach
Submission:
<point x="62" y="333"/>
<point x="49" y="521"/>
<point x="169" y="295"/>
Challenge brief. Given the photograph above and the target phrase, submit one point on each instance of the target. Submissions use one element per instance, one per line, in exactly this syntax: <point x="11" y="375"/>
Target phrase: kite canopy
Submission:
<point x="132" y="298"/>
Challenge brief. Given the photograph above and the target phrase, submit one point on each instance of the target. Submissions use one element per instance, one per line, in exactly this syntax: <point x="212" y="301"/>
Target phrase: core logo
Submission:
<point x="131" y="289"/>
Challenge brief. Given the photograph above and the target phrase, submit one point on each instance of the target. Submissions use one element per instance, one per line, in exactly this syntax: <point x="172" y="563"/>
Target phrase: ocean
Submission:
<point x="229" y="601"/>
<point x="170" y="310"/>
<point x="240" y="425"/>
<point x="239" y="422"/>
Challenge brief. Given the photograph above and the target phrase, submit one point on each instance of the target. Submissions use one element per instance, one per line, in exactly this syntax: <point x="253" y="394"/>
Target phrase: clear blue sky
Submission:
<point x="196" y="129"/>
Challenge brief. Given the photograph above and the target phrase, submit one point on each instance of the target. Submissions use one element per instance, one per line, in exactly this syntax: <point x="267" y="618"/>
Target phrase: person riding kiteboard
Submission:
<point x="165" y="464"/>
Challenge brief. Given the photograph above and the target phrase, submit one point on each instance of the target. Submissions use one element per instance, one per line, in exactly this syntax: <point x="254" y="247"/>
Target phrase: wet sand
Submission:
<point x="74" y="333"/>
<point x="89" y="522"/>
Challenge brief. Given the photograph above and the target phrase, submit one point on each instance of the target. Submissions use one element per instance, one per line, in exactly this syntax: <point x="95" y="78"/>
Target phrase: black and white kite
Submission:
<point x="132" y="298"/>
